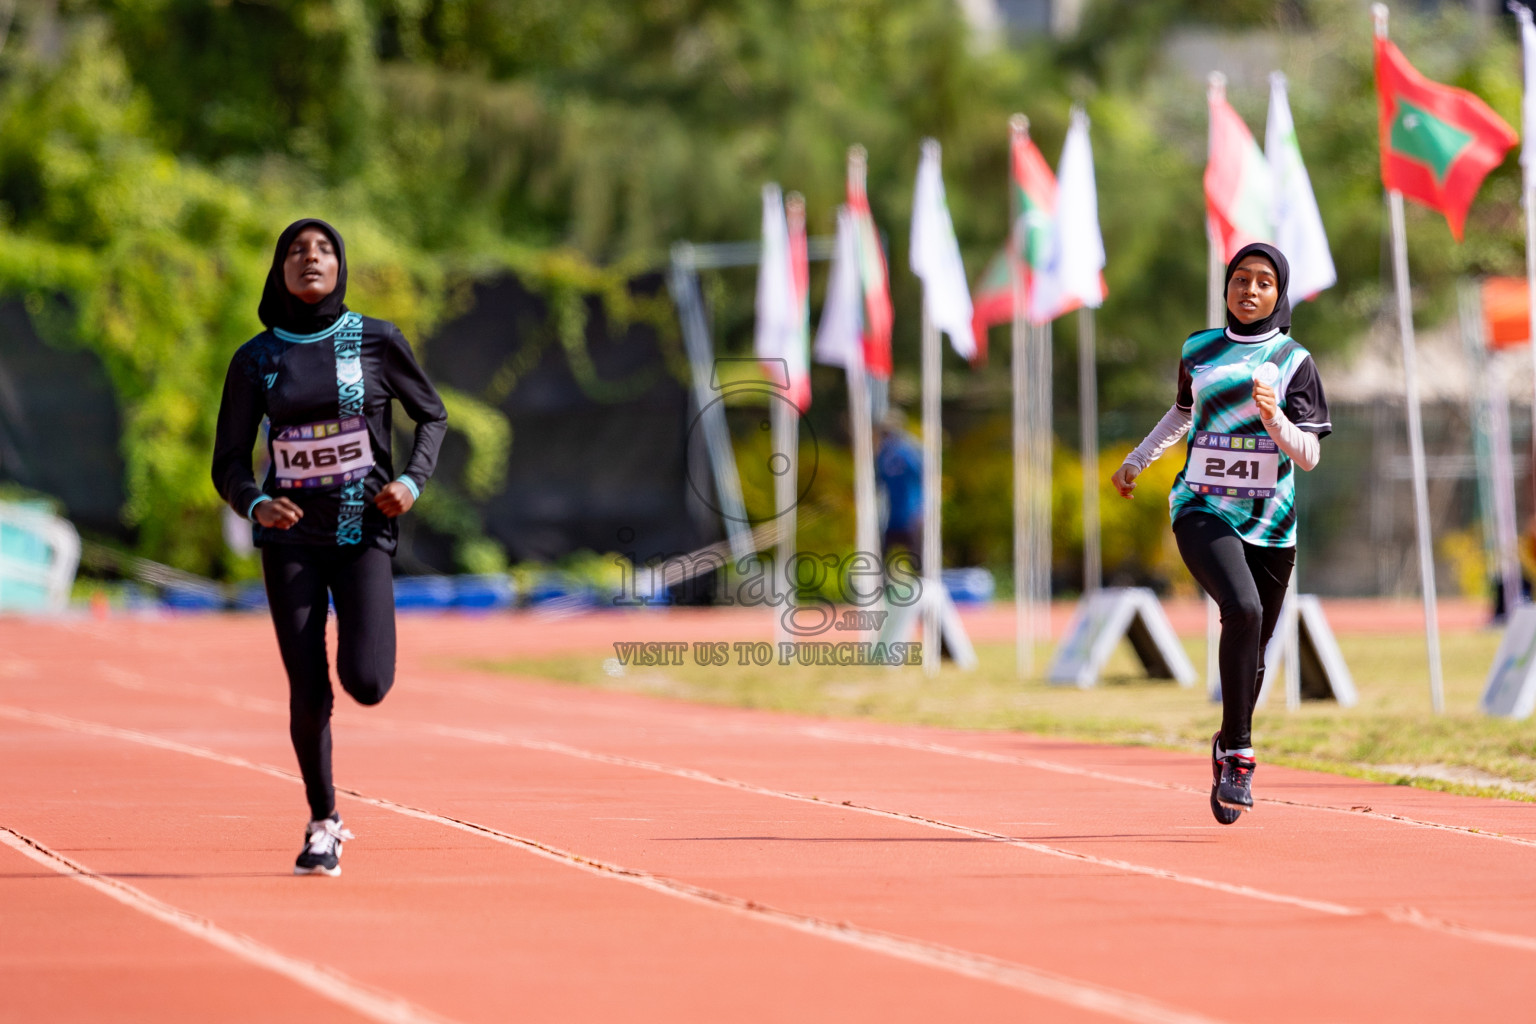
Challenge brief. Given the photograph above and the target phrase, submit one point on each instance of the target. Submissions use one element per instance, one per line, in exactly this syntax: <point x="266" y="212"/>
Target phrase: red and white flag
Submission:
<point x="782" y="336"/>
<point x="1073" y="273"/>
<point x="1237" y="181"/>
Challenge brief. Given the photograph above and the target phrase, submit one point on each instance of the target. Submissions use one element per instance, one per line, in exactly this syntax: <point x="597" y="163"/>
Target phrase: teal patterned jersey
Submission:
<point x="1216" y="372"/>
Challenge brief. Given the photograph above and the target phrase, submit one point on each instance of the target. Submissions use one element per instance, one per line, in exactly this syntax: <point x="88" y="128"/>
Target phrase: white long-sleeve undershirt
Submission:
<point x="1300" y="445"/>
<point x="1174" y="425"/>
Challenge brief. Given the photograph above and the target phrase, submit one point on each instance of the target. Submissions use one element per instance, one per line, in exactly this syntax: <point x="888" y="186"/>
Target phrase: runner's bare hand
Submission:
<point x="1264" y="398"/>
<point x="1125" y="480"/>
<point x="277" y="514"/>
<point x="394" y="500"/>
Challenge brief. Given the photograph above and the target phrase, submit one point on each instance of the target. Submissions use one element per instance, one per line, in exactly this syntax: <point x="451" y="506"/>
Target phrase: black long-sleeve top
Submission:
<point x="299" y="380"/>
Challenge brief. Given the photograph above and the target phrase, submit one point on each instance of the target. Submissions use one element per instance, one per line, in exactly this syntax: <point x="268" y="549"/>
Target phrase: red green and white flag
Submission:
<point x="1238" y="202"/>
<point x="1438" y="143"/>
<point x="1034" y="200"/>
<point x="873" y="280"/>
<point x="782" y="340"/>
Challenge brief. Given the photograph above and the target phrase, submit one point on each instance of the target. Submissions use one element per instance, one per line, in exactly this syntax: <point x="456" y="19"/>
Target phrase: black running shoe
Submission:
<point x="1235" y="788"/>
<point x="322" y="848"/>
<point x="1225" y="815"/>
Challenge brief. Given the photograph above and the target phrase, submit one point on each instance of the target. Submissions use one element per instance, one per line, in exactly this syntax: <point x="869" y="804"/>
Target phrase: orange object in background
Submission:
<point x="1506" y="312"/>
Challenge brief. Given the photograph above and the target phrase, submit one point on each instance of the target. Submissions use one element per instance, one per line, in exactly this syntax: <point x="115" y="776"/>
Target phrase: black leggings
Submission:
<point x="298" y="578"/>
<point x="1248" y="583"/>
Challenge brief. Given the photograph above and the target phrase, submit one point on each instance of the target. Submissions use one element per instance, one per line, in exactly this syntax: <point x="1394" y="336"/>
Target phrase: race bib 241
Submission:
<point x="1233" y="465"/>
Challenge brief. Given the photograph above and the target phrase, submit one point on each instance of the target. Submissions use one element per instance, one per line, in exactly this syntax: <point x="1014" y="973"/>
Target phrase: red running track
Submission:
<point x="542" y="853"/>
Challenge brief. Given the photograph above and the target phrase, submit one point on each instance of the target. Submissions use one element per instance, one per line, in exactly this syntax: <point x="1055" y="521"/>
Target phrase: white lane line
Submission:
<point x="1068" y="991"/>
<point x="1403" y="915"/>
<point x="323" y="981"/>
<point x="839" y="736"/>
<point x="134" y="681"/>
<point x="1409" y="916"/>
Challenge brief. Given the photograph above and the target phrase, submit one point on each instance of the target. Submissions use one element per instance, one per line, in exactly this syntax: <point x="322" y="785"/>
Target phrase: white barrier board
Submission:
<point x="905" y="622"/>
<point x="1099" y="624"/>
<point x="1323" y="674"/>
<point x="1511" y="689"/>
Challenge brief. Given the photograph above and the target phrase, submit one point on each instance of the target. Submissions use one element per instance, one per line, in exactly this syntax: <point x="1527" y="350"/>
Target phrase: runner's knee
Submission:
<point x="367" y="684"/>
<point x="1242" y="612"/>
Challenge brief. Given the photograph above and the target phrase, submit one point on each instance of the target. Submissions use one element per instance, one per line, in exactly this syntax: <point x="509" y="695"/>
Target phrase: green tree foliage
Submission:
<point x="153" y="148"/>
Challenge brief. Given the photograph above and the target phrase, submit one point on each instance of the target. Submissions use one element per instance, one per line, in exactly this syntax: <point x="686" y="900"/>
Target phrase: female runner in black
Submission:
<point x="324" y="378"/>
<point x="1253" y="404"/>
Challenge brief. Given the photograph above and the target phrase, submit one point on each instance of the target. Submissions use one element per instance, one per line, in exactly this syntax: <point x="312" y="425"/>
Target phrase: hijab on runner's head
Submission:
<point x="1281" y="315"/>
<point x="281" y="308"/>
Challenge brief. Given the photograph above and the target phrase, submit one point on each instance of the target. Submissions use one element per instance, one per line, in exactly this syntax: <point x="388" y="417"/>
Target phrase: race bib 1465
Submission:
<point x="327" y="454"/>
<point x="1233" y="465"/>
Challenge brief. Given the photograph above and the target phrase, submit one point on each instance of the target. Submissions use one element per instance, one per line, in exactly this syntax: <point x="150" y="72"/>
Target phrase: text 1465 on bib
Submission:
<point x="327" y="454"/>
<point x="1233" y="465"/>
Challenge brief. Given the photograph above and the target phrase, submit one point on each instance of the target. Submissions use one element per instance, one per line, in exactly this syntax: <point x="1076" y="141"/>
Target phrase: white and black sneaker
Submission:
<point x="322" y="848"/>
<point x="1225" y="815"/>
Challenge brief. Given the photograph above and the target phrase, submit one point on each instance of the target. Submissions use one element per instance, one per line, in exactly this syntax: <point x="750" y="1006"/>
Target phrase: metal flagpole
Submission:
<point x="866" y="526"/>
<point x="1023" y="594"/>
<point x="1041" y="436"/>
<point x="1416" y="452"/>
<point x="1088" y="414"/>
<point x="786" y="430"/>
<point x="865" y="502"/>
<point x="1215" y="316"/>
<point x="1415" y="425"/>
<point x="932" y="595"/>
<point x="1527" y="158"/>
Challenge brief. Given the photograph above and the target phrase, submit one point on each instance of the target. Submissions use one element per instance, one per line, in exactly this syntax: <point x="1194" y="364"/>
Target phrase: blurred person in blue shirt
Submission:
<point x="899" y="477"/>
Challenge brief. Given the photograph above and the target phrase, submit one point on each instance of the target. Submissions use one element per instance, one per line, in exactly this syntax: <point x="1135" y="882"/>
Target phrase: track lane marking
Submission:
<point x="1033" y="981"/>
<point x="1402" y="915"/>
<point x="375" y="1004"/>
<point x="133" y="681"/>
<point x="823" y="732"/>
<point x="476" y="692"/>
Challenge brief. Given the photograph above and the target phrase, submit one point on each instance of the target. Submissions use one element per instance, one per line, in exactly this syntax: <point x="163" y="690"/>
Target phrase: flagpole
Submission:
<point x="866" y="527"/>
<point x="1415" y="425"/>
<point x="1041" y="436"/>
<point x="1215" y="317"/>
<point x="1527" y="158"/>
<point x="865" y="502"/>
<point x="1023" y="599"/>
<point x="1088" y="414"/>
<point x="785" y="417"/>
<point x="932" y="595"/>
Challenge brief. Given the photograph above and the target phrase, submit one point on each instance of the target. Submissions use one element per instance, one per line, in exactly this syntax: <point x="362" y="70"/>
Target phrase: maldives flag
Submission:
<point x="873" y="279"/>
<point x="1034" y="199"/>
<point x="1437" y="143"/>
<point x="1237" y="182"/>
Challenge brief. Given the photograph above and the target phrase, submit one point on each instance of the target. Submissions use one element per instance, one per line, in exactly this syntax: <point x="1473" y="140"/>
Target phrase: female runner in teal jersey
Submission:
<point x="1253" y="404"/>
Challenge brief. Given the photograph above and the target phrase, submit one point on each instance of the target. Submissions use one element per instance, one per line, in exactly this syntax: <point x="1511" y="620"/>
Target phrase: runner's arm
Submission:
<point x="1173" y="426"/>
<point x="1301" y="445"/>
<point x="408" y="382"/>
<point x="240" y="412"/>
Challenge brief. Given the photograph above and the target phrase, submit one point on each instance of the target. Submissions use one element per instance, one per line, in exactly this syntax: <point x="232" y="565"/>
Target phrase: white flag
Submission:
<point x="935" y="256"/>
<point x="1528" y="108"/>
<point x="776" y="319"/>
<point x="1073" y="274"/>
<point x="1299" y="230"/>
<point x="839" y="339"/>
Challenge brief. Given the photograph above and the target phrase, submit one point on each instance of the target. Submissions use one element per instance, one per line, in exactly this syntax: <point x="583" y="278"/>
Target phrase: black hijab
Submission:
<point x="281" y="308"/>
<point x="1281" y="317"/>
